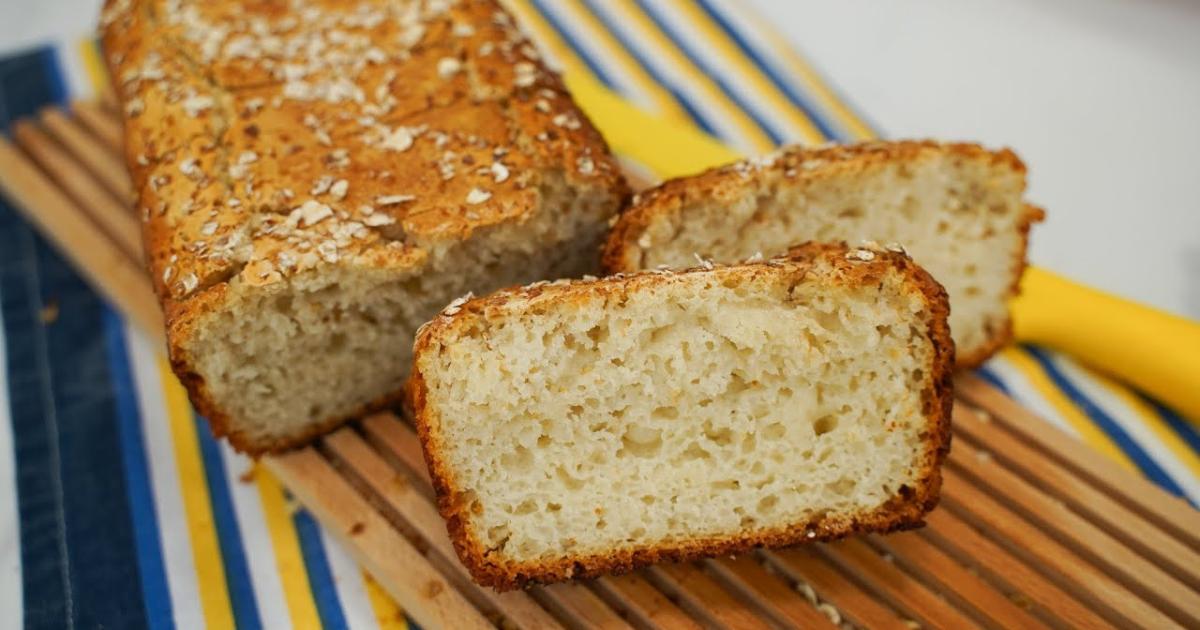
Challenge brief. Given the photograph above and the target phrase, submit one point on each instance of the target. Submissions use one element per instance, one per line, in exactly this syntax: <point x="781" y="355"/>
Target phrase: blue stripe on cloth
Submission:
<point x="731" y="92"/>
<point x="320" y="576"/>
<point x="594" y="66"/>
<point x="78" y="552"/>
<point x="229" y="535"/>
<point x="52" y="69"/>
<point x="993" y="379"/>
<point x="1101" y="419"/>
<point x="155" y="592"/>
<point x="696" y="116"/>
<point x="27" y="82"/>
<point x="824" y="125"/>
<point x="44" y="575"/>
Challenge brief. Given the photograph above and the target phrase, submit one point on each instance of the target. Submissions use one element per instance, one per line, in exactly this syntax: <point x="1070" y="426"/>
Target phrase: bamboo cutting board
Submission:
<point x="1033" y="530"/>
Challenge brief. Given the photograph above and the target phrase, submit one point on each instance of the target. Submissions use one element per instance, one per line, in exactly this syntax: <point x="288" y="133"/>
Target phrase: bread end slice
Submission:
<point x="956" y="207"/>
<point x="579" y="428"/>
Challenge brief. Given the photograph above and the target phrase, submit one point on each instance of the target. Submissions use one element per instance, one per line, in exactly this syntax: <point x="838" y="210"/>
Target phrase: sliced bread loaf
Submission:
<point x="957" y="208"/>
<point x="577" y="428"/>
<point x="316" y="184"/>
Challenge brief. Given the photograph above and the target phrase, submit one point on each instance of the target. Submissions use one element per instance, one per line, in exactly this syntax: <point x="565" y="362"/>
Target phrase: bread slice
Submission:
<point x="957" y="208"/>
<point x="577" y="428"/>
<point x="316" y="184"/>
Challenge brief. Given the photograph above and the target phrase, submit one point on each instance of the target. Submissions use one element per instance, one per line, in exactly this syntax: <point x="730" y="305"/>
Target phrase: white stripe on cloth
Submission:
<point x="168" y="502"/>
<point x="11" y="598"/>
<point x="1028" y="395"/>
<point x="348" y="580"/>
<point x="699" y="46"/>
<point x="256" y="538"/>
<point x="653" y="54"/>
<point x="580" y="35"/>
<point x="1131" y="422"/>
<point x="74" y="77"/>
<point x="755" y="32"/>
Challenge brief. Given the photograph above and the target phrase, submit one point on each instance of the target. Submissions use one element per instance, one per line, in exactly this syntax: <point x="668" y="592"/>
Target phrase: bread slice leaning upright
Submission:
<point x="582" y="427"/>
<point x="957" y="208"/>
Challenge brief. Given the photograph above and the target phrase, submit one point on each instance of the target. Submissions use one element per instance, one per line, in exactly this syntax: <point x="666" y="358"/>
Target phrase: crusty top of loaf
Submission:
<point x="795" y="164"/>
<point x="863" y="264"/>
<point x="270" y="138"/>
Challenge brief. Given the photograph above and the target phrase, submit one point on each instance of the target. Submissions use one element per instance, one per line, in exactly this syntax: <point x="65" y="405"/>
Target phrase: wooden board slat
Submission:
<point x="1097" y="506"/>
<point x="404" y="573"/>
<point x="704" y="596"/>
<point x="581" y="607"/>
<point x="83" y="188"/>
<point x="1170" y="513"/>
<point x="1055" y="520"/>
<point x="1033" y="530"/>
<point x="845" y="599"/>
<point x="103" y="124"/>
<point x="104" y="160"/>
<point x="770" y="593"/>
<point x="1023" y="539"/>
<point x="977" y="550"/>
<point x="942" y="572"/>
<point x="99" y="259"/>
<point x="646" y="604"/>
<point x="908" y="595"/>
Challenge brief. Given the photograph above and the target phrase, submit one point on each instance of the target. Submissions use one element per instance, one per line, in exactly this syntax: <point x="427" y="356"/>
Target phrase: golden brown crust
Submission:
<point x="622" y="253"/>
<point x="904" y="511"/>
<point x="268" y="140"/>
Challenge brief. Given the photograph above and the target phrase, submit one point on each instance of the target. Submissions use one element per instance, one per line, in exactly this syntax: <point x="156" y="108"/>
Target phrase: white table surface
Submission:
<point x="1100" y="97"/>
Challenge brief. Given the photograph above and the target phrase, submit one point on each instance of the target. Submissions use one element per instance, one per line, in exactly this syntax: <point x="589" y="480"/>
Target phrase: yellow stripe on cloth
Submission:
<point x="800" y="68"/>
<point x="755" y="137"/>
<point x="387" y="613"/>
<point x="664" y="102"/>
<point x="93" y="65"/>
<point x="293" y="572"/>
<point x="747" y="70"/>
<point x="206" y="550"/>
<point x="1079" y="420"/>
<point x="547" y="38"/>
<point x="670" y="148"/>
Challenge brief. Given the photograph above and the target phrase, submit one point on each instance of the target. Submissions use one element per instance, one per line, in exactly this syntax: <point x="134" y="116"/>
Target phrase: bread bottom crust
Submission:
<point x="897" y="514"/>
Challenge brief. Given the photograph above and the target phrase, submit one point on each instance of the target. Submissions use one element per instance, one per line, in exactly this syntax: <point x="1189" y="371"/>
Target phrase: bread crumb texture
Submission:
<point x="317" y="178"/>
<point x="578" y="428"/>
<point x="957" y="208"/>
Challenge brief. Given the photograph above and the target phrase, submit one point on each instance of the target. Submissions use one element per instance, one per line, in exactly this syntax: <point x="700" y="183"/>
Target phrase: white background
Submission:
<point x="1100" y="97"/>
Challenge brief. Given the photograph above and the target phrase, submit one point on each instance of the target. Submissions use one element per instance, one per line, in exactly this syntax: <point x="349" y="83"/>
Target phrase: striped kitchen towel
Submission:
<point x="118" y="509"/>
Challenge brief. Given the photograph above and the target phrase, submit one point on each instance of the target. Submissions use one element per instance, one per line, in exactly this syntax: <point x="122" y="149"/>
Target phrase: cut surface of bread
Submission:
<point x="318" y="179"/>
<point x="957" y="208"/>
<point x="578" y="428"/>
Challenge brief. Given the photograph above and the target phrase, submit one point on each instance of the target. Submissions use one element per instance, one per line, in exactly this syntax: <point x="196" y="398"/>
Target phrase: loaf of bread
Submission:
<point x="581" y="427"/>
<point x="957" y="208"/>
<point x="318" y="178"/>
